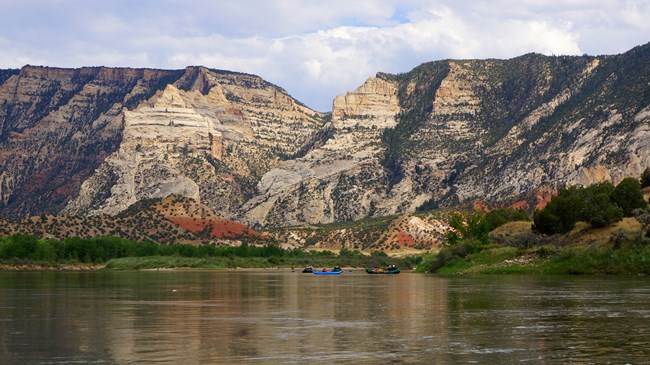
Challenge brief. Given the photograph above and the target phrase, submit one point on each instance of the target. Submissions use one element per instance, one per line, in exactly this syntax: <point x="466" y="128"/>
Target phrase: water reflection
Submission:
<point x="288" y="318"/>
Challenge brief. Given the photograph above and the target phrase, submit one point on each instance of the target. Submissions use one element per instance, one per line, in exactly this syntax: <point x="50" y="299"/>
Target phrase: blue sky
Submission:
<point x="315" y="49"/>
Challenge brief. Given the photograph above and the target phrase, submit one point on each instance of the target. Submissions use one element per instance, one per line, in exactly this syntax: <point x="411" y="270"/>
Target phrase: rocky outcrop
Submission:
<point x="208" y="143"/>
<point x="58" y="125"/>
<point x="95" y="140"/>
<point x="455" y="131"/>
<point x="336" y="180"/>
<point x="92" y="141"/>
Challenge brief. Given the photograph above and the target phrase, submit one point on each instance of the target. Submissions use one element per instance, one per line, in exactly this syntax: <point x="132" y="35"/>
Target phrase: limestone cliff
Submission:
<point x="339" y="180"/>
<point x="92" y="141"/>
<point x="95" y="140"/>
<point x="452" y="131"/>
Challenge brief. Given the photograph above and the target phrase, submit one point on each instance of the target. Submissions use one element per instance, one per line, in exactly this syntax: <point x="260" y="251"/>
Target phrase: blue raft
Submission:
<point x="327" y="272"/>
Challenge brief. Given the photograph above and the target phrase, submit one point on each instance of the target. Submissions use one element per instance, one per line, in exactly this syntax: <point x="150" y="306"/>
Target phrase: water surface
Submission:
<point x="283" y="317"/>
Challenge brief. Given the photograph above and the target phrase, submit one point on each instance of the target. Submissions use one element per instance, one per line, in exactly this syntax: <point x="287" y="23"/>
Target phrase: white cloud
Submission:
<point x="314" y="49"/>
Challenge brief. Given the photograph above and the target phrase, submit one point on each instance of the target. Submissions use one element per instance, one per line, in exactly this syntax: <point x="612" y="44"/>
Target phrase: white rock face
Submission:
<point x="443" y="133"/>
<point x="151" y="160"/>
<point x="332" y="182"/>
<point x="202" y="146"/>
<point x="475" y="138"/>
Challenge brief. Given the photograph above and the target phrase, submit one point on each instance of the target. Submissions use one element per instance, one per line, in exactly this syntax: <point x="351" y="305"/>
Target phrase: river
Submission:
<point x="284" y="317"/>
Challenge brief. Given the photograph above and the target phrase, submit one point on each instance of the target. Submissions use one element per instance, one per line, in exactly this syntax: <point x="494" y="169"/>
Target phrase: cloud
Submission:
<point x="314" y="49"/>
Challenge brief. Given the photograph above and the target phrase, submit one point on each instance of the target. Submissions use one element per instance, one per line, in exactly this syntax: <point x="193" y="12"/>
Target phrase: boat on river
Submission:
<point x="308" y="270"/>
<point x="388" y="270"/>
<point x="336" y="271"/>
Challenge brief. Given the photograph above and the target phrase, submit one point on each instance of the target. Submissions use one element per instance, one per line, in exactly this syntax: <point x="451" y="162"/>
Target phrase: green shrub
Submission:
<point x="500" y="216"/>
<point x="599" y="209"/>
<point x="561" y="213"/>
<point x="524" y="239"/>
<point x="468" y="226"/>
<point x="628" y="196"/>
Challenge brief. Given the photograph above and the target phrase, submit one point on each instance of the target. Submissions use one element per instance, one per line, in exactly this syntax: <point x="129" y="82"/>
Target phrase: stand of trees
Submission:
<point x="23" y="249"/>
<point x="103" y="249"/>
<point x="599" y="204"/>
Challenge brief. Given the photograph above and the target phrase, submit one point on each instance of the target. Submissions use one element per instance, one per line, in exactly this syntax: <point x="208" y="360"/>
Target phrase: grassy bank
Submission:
<point x="216" y="263"/>
<point x="631" y="260"/>
<point x="620" y="249"/>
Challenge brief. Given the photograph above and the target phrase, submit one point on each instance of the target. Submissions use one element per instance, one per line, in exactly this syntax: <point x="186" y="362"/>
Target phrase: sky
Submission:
<point x="314" y="49"/>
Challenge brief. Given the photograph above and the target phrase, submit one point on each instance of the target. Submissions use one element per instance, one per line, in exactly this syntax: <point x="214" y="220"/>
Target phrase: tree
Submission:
<point x="468" y="226"/>
<point x="628" y="196"/>
<point x="599" y="209"/>
<point x="21" y="246"/>
<point x="545" y="221"/>
<point x="500" y="216"/>
<point x="645" y="178"/>
<point x="561" y="213"/>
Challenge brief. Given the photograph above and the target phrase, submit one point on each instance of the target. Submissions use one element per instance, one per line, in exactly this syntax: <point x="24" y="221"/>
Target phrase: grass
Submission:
<point x="164" y="262"/>
<point x="216" y="263"/>
<point x="480" y="261"/>
<point x="618" y="249"/>
<point x="629" y="259"/>
<point x="584" y="234"/>
<point x="516" y="227"/>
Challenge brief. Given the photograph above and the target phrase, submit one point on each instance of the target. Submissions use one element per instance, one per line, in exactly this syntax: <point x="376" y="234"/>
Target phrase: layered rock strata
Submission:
<point x="95" y="140"/>
<point x="450" y="132"/>
<point x="130" y="134"/>
<point x="342" y="179"/>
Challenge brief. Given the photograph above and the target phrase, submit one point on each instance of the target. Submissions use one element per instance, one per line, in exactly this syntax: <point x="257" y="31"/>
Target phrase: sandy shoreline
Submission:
<point x="89" y="267"/>
<point x="44" y="267"/>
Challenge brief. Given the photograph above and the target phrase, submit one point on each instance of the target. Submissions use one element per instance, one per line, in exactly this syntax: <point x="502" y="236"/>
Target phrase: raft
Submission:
<point x="327" y="272"/>
<point x="383" y="271"/>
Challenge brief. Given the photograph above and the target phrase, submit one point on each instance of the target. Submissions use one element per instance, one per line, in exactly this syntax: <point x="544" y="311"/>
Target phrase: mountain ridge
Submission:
<point x="492" y="130"/>
<point x="95" y="107"/>
<point x="94" y="140"/>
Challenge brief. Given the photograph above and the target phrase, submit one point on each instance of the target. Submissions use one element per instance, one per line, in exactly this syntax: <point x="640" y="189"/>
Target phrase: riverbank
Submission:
<point x="212" y="263"/>
<point x="50" y="266"/>
<point x="622" y="248"/>
<point x="552" y="261"/>
<point x="25" y="252"/>
<point x="229" y="263"/>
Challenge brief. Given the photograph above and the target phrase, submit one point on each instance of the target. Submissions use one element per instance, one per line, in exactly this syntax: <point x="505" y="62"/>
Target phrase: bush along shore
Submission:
<point x="27" y="252"/>
<point x="599" y="229"/>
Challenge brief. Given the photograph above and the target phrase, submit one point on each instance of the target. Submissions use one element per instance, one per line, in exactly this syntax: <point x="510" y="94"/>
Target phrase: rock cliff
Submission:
<point x="95" y="140"/>
<point x="58" y="125"/>
<point x="452" y="131"/>
<point x="92" y="141"/>
<point x="337" y="179"/>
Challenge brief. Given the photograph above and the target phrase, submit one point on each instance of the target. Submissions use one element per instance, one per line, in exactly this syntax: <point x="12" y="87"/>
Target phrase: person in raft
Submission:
<point x="324" y="269"/>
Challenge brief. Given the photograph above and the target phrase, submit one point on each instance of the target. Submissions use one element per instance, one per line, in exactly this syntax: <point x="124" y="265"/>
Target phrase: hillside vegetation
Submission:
<point x="174" y="219"/>
<point x="22" y="251"/>
<point x="616" y="245"/>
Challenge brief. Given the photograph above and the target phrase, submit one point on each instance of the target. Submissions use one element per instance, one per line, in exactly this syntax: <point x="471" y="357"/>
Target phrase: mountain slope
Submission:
<point x="93" y="141"/>
<point x="96" y="140"/>
<point x="458" y="130"/>
<point x="175" y="219"/>
<point x="57" y="126"/>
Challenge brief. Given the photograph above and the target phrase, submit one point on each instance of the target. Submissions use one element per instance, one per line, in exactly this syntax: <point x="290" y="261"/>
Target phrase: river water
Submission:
<point x="283" y="317"/>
